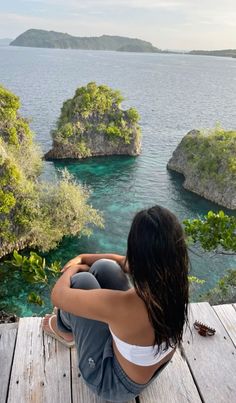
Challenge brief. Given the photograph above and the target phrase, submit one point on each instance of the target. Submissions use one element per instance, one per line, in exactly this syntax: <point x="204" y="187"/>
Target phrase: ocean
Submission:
<point x="172" y="93"/>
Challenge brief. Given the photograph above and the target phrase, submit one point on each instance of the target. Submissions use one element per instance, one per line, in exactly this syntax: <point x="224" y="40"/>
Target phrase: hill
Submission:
<point x="50" y="39"/>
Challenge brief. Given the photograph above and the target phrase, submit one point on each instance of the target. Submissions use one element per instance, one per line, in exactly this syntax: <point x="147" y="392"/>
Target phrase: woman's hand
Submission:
<point x="124" y="264"/>
<point x="75" y="261"/>
<point x="75" y="268"/>
<point x="88" y="259"/>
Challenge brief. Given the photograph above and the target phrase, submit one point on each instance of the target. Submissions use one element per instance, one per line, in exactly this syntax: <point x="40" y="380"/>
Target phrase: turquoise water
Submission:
<point x="173" y="94"/>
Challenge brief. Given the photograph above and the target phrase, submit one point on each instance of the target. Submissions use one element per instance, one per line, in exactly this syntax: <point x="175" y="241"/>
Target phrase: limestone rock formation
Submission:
<point x="207" y="159"/>
<point x="92" y="123"/>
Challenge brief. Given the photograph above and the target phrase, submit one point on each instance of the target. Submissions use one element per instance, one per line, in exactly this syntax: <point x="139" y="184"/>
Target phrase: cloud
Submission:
<point x="81" y="4"/>
<point x="69" y="25"/>
<point x="166" y="23"/>
<point x="136" y="3"/>
<point x="17" y="18"/>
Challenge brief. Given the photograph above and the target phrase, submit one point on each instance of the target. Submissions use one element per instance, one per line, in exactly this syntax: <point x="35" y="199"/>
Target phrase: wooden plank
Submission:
<point x="212" y="359"/>
<point x="80" y="392"/>
<point x="174" y="385"/>
<point x="8" y="334"/>
<point x="57" y="371"/>
<point x="41" y="367"/>
<point x="227" y="316"/>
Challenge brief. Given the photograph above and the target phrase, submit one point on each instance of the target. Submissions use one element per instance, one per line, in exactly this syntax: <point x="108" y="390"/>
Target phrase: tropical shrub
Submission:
<point x="32" y="212"/>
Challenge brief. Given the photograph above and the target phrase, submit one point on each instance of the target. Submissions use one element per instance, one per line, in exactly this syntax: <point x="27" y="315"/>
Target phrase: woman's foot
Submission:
<point x="49" y="326"/>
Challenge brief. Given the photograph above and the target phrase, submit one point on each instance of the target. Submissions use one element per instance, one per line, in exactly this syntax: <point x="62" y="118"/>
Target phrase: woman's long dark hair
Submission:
<point x="158" y="264"/>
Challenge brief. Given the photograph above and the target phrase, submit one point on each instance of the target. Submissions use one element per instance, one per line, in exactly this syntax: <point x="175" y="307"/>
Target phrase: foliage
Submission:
<point x="195" y="280"/>
<point x="95" y="109"/>
<point x="51" y="39"/>
<point x="225" y="290"/>
<point x="194" y="283"/>
<point x="212" y="154"/>
<point x="9" y="104"/>
<point x="16" y="136"/>
<point x="216" y="231"/>
<point x="32" y="212"/>
<point x="34" y="270"/>
<point x="83" y="149"/>
<point x="62" y="210"/>
<point x="132" y="115"/>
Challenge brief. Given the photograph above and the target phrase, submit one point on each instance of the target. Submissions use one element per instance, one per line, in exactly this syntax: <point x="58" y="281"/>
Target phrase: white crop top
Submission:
<point x="140" y="355"/>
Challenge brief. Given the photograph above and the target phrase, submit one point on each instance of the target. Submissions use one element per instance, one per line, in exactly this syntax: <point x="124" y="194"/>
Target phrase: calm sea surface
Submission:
<point x="173" y="94"/>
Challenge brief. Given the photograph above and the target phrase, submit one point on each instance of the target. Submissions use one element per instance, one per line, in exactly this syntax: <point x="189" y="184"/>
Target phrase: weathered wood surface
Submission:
<point x="41" y="367"/>
<point x="227" y="316"/>
<point x="7" y="345"/>
<point x="174" y="385"/>
<point x="212" y="360"/>
<point x="45" y="371"/>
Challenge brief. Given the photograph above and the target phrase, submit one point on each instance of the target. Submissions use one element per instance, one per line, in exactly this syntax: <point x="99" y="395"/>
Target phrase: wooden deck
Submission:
<point x="36" y="368"/>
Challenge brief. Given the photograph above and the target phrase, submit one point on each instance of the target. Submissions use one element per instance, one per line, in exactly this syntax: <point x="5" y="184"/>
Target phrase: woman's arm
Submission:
<point x="98" y="304"/>
<point x="90" y="258"/>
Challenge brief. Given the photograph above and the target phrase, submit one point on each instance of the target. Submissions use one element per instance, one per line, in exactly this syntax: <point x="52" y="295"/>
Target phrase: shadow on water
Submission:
<point x="191" y="203"/>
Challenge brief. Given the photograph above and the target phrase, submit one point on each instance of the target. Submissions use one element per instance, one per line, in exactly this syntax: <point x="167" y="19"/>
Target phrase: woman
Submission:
<point x="125" y="335"/>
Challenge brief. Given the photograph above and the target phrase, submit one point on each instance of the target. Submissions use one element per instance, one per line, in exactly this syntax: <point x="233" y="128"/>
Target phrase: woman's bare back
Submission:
<point x="134" y="328"/>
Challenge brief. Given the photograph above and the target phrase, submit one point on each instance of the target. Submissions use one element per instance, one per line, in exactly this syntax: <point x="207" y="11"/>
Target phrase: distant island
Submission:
<point x="92" y="123"/>
<point x="222" y="53"/>
<point x="49" y="39"/>
<point x="207" y="159"/>
<point x="39" y="38"/>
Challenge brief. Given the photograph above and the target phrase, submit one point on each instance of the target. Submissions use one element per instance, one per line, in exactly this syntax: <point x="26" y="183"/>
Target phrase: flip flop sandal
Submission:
<point x="56" y="336"/>
<point x="54" y="311"/>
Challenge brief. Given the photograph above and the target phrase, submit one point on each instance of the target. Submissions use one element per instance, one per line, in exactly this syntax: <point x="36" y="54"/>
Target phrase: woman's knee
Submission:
<point x="84" y="280"/>
<point x="102" y="266"/>
<point x="109" y="275"/>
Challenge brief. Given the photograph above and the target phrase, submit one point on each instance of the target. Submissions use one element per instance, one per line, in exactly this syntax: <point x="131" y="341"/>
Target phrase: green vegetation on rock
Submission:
<point x="93" y="123"/>
<point x="212" y="154"/>
<point x="34" y="213"/>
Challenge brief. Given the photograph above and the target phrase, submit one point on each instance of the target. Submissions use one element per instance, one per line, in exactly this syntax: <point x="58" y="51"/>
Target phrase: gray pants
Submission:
<point x="97" y="363"/>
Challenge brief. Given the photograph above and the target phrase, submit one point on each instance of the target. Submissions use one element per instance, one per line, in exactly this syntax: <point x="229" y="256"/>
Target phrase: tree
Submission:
<point x="216" y="232"/>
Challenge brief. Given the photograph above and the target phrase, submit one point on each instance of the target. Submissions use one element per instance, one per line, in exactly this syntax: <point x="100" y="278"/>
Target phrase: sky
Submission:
<point x="168" y="24"/>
